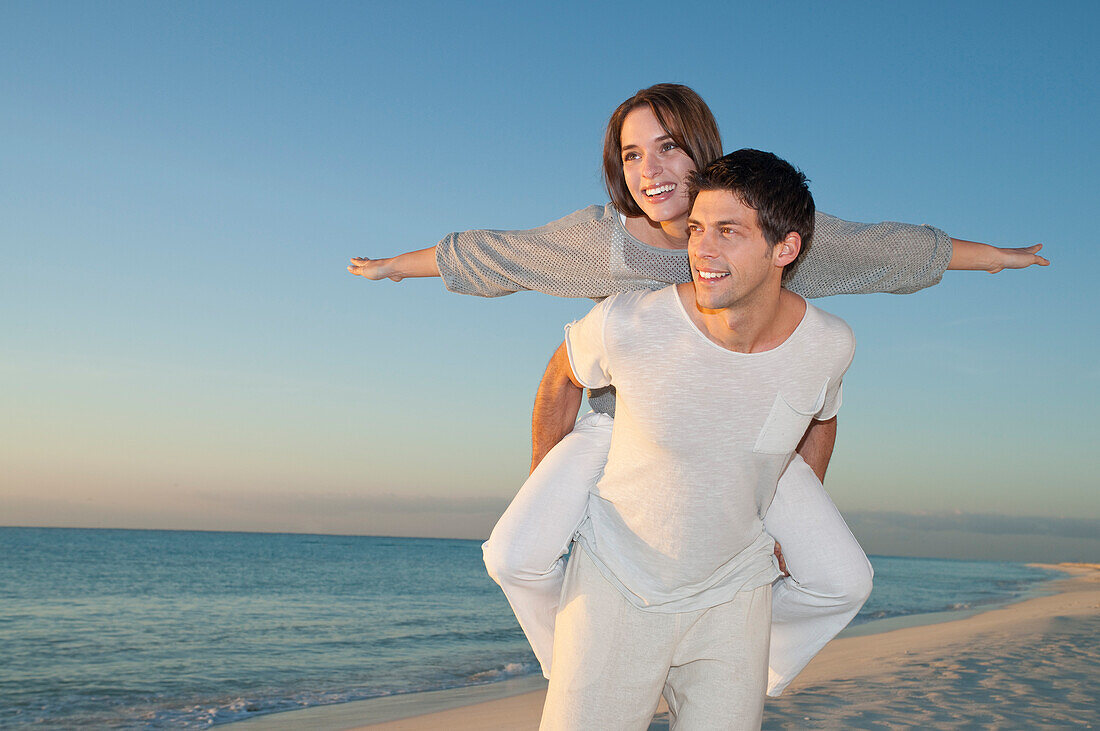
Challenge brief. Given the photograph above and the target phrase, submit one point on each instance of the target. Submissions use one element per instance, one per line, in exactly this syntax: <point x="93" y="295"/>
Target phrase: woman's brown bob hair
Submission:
<point x="682" y="113"/>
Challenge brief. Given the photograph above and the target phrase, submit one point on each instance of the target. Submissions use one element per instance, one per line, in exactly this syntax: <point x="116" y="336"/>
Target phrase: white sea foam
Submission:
<point x="509" y="670"/>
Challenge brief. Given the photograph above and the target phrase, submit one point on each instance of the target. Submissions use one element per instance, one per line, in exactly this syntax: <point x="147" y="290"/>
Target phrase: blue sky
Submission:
<point x="182" y="185"/>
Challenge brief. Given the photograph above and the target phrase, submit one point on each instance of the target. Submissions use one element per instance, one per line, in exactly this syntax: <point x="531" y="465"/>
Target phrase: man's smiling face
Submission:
<point x="730" y="258"/>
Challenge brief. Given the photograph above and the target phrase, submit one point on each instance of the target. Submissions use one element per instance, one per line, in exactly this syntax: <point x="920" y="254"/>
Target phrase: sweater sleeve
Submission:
<point x="565" y="258"/>
<point x="845" y="257"/>
<point x="585" y="254"/>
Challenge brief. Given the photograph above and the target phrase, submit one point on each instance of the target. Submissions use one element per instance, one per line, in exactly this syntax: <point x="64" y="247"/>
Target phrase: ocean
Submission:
<point x="177" y="629"/>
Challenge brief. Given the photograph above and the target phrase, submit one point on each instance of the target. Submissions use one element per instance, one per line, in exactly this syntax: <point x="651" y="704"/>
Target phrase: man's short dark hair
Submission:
<point x="774" y="188"/>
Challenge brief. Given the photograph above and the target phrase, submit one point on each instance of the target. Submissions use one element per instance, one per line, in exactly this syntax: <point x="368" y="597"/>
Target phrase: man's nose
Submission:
<point x="702" y="246"/>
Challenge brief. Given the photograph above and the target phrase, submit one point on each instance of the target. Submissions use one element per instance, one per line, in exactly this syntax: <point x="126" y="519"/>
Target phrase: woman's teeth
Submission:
<point x="659" y="189"/>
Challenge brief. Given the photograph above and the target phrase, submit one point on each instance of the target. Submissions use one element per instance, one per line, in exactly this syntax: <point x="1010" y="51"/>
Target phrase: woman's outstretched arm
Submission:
<point x="413" y="264"/>
<point x="845" y="257"/>
<point x="570" y="257"/>
<point x="975" y="257"/>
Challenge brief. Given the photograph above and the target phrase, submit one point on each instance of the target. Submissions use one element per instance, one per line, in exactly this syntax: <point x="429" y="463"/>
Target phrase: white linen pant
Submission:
<point x="613" y="661"/>
<point x="830" y="575"/>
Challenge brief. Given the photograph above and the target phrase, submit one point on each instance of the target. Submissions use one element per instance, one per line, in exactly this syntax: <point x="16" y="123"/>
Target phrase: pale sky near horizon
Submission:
<point x="181" y="186"/>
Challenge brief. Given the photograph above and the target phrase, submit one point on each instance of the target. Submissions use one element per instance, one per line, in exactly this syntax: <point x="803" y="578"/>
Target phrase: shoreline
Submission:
<point x="879" y="652"/>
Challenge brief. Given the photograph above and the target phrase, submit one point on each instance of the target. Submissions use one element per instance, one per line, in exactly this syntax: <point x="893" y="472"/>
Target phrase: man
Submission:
<point x="669" y="586"/>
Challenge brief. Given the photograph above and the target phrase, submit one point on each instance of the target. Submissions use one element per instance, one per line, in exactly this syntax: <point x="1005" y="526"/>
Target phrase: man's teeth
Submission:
<point x="713" y="275"/>
<point x="666" y="188"/>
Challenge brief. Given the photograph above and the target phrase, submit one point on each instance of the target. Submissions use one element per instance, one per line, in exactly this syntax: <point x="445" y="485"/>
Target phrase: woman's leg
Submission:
<point x="524" y="552"/>
<point x="830" y="575"/>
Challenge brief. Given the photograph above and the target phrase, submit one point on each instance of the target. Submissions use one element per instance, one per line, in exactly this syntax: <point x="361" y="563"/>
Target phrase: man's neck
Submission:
<point x="758" y="324"/>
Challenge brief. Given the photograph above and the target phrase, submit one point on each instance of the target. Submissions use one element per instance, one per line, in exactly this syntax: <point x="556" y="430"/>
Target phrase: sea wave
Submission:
<point x="164" y="629"/>
<point x="509" y="670"/>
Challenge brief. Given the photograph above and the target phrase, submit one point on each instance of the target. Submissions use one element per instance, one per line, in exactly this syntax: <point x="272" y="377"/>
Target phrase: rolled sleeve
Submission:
<point x="564" y="258"/>
<point x="845" y="257"/>
<point x="834" y="390"/>
<point x="584" y="344"/>
<point x="472" y="267"/>
<point x="834" y="397"/>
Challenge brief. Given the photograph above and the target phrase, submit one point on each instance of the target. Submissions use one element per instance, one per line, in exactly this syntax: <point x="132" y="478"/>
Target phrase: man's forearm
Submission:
<point x="817" y="446"/>
<point x="556" y="406"/>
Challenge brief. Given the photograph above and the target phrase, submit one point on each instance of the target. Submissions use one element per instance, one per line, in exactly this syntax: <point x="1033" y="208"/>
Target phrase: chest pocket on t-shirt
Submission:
<point x="786" y="423"/>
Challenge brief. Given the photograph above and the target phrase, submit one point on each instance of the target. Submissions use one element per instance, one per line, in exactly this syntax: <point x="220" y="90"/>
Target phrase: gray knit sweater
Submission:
<point x="590" y="254"/>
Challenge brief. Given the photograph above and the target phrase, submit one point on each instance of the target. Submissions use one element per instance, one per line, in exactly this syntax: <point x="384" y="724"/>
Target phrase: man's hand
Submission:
<point x="556" y="406"/>
<point x="779" y="558"/>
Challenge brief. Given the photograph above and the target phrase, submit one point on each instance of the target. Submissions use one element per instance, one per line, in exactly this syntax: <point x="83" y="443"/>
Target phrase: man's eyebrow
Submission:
<point x="738" y="224"/>
<point x="723" y="224"/>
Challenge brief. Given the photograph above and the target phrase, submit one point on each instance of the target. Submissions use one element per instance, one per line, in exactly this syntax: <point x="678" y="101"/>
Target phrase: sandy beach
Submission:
<point x="1033" y="664"/>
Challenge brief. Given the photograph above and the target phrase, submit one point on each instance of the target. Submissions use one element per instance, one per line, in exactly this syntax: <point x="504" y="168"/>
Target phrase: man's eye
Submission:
<point x="693" y="229"/>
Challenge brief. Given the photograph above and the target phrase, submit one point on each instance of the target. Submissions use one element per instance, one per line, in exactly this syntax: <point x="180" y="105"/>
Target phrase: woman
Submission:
<point x="653" y="141"/>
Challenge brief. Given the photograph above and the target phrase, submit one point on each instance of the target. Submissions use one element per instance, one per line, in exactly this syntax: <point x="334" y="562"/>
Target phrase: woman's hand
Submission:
<point x="374" y="269"/>
<point x="973" y="256"/>
<point x="1019" y="258"/>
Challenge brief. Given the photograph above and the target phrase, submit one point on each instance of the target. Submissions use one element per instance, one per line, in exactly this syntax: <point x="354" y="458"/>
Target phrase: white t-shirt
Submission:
<point x="701" y="436"/>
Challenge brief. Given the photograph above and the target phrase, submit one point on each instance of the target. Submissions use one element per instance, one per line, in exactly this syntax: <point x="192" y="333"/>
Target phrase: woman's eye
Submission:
<point x="630" y="156"/>
<point x="668" y="146"/>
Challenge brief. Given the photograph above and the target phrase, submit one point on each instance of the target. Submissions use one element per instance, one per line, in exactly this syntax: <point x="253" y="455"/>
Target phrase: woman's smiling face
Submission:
<point x="655" y="168"/>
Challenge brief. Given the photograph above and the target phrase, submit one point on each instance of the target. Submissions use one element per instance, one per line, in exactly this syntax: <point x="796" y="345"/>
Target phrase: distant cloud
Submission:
<point x="986" y="524"/>
<point x="384" y="503"/>
<point x="393" y="512"/>
<point x="270" y="511"/>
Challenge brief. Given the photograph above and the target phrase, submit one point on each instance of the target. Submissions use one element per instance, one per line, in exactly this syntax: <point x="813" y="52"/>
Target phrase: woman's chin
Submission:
<point x="658" y="215"/>
<point x="665" y="211"/>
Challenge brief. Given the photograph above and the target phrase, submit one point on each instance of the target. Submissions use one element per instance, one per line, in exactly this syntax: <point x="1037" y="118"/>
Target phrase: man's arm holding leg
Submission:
<point x="524" y="552"/>
<point x="816" y="446"/>
<point x="556" y="405"/>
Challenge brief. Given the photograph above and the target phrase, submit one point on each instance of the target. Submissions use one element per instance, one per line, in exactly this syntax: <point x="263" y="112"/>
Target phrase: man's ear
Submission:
<point x="786" y="249"/>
